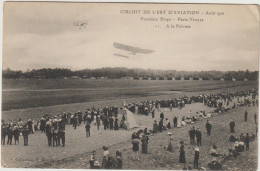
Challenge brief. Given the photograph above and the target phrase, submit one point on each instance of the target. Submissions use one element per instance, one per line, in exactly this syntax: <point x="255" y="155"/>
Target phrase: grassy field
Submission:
<point x="22" y="94"/>
<point x="34" y="98"/>
<point x="77" y="151"/>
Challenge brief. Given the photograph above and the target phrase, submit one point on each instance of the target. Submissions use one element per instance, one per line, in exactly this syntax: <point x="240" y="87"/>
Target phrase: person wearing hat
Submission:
<point x="160" y="125"/>
<point x="16" y="135"/>
<point x="245" y="115"/>
<point x="98" y="121"/>
<point x="196" y="158"/>
<point x="232" y="126"/>
<point x="87" y="129"/>
<point x="162" y="116"/>
<point x="192" y="133"/>
<point x="247" y="139"/>
<point x="92" y="159"/>
<point x="175" y="121"/>
<point x="3" y="133"/>
<point x="144" y="141"/>
<point x="49" y="132"/>
<point x="25" y="134"/>
<point x="135" y="148"/>
<point x="116" y="126"/>
<point x="182" y="153"/>
<point x="153" y="112"/>
<point x="155" y="127"/>
<point x="119" y="160"/>
<point x="111" y="123"/>
<point x="198" y="136"/>
<point x="54" y="137"/>
<point x="170" y="146"/>
<point x="42" y="124"/>
<point x="168" y="124"/>
<point x="208" y="127"/>
<point x="105" y="157"/>
<point x="30" y="126"/>
<point x="9" y="134"/>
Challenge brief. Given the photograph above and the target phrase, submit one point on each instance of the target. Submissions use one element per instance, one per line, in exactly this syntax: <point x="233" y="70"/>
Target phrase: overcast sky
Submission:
<point x="42" y="35"/>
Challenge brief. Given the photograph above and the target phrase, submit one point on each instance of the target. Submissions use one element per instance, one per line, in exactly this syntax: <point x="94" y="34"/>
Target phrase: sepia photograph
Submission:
<point x="132" y="86"/>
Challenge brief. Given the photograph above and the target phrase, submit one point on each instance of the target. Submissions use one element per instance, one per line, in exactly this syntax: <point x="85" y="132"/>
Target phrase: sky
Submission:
<point x="42" y="35"/>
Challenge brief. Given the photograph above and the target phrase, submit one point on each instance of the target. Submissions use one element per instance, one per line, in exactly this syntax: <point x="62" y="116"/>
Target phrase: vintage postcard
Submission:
<point x="130" y="86"/>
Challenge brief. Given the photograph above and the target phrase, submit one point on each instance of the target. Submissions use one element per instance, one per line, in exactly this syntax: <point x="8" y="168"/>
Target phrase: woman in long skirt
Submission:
<point x="182" y="153"/>
<point x="178" y="122"/>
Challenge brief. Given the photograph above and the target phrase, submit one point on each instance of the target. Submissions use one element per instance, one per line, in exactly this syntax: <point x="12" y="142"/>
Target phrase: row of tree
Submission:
<point x="116" y="73"/>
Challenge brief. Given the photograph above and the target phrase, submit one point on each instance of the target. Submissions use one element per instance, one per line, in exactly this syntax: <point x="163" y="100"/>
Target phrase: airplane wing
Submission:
<point x="134" y="50"/>
<point x="121" y="55"/>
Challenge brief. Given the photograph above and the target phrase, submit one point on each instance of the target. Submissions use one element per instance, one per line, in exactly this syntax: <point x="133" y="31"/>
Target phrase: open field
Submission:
<point x="76" y="153"/>
<point x="22" y="94"/>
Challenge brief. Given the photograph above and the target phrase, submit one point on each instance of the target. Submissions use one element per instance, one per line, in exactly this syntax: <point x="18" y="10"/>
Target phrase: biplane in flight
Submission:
<point x="133" y="50"/>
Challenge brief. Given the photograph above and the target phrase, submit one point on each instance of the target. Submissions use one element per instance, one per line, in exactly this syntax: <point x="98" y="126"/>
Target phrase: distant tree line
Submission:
<point x="116" y="73"/>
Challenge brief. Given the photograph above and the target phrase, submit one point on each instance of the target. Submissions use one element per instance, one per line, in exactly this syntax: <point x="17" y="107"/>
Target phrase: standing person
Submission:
<point x="74" y="121"/>
<point x="9" y="135"/>
<point x="192" y="133"/>
<point x="153" y="111"/>
<point x="111" y="123"/>
<point x="255" y="118"/>
<point x="16" y="135"/>
<point x="232" y="126"/>
<point x="170" y="146"/>
<point x="170" y="107"/>
<point x="105" y="157"/>
<point x="62" y="135"/>
<point x="49" y="133"/>
<point x="87" y="129"/>
<point x="160" y="125"/>
<point x="116" y="127"/>
<point x="119" y="160"/>
<point x="58" y="137"/>
<point x="3" y="133"/>
<point x="30" y="126"/>
<point x="155" y="127"/>
<point x="196" y="158"/>
<point x="175" y="122"/>
<point x="198" y="136"/>
<point x="208" y="127"/>
<point x="245" y="115"/>
<point x="178" y="122"/>
<point x="54" y="137"/>
<point x="98" y="121"/>
<point x="247" y="139"/>
<point x="144" y="141"/>
<point x="135" y="148"/>
<point x="25" y="135"/>
<point x="162" y="116"/>
<point x="43" y="124"/>
<point x="92" y="159"/>
<point x="105" y="122"/>
<point x="168" y="124"/>
<point x="182" y="153"/>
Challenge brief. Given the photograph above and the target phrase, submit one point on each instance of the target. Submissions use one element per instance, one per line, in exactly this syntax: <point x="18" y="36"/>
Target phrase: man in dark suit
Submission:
<point x="232" y="126"/>
<point x="192" y="133"/>
<point x="25" y="135"/>
<point x="162" y="116"/>
<point x="198" y="137"/>
<point x="111" y="123"/>
<point x="3" y="133"/>
<point x="175" y="122"/>
<point x="208" y="127"/>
